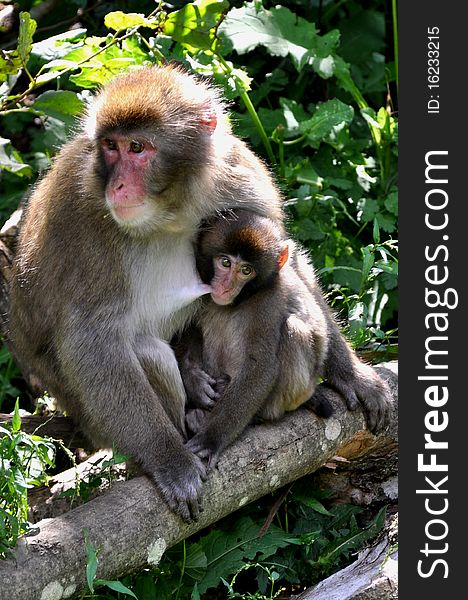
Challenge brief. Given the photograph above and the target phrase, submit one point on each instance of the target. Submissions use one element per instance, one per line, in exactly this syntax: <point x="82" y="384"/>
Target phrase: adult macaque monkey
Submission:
<point x="267" y="335"/>
<point x="105" y="273"/>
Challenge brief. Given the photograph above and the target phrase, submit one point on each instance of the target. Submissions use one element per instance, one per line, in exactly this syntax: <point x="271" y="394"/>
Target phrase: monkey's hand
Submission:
<point x="180" y="485"/>
<point x="203" y="447"/>
<point x="365" y="388"/>
<point x="200" y="387"/>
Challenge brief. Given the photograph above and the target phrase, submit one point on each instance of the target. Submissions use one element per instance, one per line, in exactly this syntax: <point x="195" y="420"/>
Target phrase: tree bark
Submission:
<point x="132" y="527"/>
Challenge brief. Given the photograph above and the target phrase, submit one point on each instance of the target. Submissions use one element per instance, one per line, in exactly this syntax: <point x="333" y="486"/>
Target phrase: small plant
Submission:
<point x="24" y="460"/>
<point x="91" y="569"/>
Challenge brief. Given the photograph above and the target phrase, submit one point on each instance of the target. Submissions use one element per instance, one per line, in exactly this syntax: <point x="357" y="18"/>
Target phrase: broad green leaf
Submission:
<point x="369" y="209"/>
<point x="196" y="562"/>
<point x="26" y="31"/>
<point x="386" y="222"/>
<point x="10" y="160"/>
<point x="194" y="24"/>
<point x="391" y="202"/>
<point x="294" y="114"/>
<point x="226" y="551"/>
<point x="10" y="64"/>
<point x="119" y="21"/>
<point x="63" y="105"/>
<point x="278" y="30"/>
<point x="330" y="116"/>
<point x="58" y="46"/>
<point x="355" y="539"/>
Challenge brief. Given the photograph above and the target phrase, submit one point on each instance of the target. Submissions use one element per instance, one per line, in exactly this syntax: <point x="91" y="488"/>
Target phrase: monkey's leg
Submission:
<point x="240" y="402"/>
<point x="160" y="365"/>
<point x="121" y="407"/>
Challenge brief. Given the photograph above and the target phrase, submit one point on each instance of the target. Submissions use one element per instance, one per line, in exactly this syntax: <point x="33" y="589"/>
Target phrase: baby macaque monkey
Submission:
<point x="264" y="338"/>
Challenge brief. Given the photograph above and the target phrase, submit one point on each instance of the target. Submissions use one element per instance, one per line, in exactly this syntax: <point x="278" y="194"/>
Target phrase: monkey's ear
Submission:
<point x="209" y="119"/>
<point x="283" y="257"/>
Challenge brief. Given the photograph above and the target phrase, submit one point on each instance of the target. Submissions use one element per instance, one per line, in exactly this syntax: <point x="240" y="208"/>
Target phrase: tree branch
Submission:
<point x="132" y="527"/>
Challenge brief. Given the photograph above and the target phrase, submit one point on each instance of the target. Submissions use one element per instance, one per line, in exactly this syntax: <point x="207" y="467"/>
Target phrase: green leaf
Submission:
<point x="58" y="46"/>
<point x="391" y="203"/>
<point x="330" y="117"/>
<point x="26" y="31"/>
<point x="119" y="21"/>
<point x="314" y="504"/>
<point x="63" y="105"/>
<point x="16" y="421"/>
<point x="376" y="232"/>
<point x="91" y="561"/>
<point x="10" y="160"/>
<point x="195" y="593"/>
<point x="367" y="264"/>
<point x="10" y="64"/>
<point x="354" y="540"/>
<point x="278" y="30"/>
<point x="194" y="24"/>
<point x="117" y="586"/>
<point x="196" y="562"/>
<point x="226" y="551"/>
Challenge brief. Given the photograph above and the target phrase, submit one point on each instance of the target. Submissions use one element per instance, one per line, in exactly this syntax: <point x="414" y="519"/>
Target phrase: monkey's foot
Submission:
<point x="196" y="419"/>
<point x="180" y="485"/>
<point x="368" y="390"/>
<point x="320" y="404"/>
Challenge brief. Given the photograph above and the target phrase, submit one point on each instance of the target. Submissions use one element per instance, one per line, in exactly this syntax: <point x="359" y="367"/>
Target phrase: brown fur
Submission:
<point x="94" y="303"/>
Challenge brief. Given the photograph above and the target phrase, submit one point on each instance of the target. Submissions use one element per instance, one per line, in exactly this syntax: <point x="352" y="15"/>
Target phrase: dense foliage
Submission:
<point x="312" y="89"/>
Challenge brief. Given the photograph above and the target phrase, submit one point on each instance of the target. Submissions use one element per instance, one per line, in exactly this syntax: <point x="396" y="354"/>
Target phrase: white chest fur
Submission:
<point x="165" y="287"/>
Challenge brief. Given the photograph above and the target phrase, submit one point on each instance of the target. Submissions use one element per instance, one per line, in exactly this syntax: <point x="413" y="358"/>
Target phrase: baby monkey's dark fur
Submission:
<point x="262" y="354"/>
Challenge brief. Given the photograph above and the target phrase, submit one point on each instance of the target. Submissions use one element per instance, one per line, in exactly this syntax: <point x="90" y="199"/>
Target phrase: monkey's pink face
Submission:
<point x="127" y="160"/>
<point x="230" y="276"/>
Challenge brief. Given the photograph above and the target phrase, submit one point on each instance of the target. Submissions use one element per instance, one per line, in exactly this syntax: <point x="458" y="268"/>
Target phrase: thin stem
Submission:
<point x="252" y="112"/>
<point x="34" y="84"/>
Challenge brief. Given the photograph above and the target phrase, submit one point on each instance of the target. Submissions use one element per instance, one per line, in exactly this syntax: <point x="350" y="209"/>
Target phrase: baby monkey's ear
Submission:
<point x="283" y="257"/>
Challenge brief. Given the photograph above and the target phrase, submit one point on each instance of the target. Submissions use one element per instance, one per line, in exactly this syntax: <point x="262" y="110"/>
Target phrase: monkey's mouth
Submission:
<point x="222" y="299"/>
<point x="128" y="212"/>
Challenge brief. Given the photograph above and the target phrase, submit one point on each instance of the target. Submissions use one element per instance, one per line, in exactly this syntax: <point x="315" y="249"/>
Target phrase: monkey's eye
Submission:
<point x="225" y="262"/>
<point x="136" y="147"/>
<point x="247" y="270"/>
<point x="109" y="144"/>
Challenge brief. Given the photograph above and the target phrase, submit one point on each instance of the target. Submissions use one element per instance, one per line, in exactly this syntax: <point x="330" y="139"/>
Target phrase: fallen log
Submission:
<point x="131" y="526"/>
<point x="56" y="427"/>
<point x="373" y="576"/>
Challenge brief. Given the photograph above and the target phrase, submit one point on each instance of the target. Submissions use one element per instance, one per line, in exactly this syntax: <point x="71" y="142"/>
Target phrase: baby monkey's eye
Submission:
<point x="247" y="270"/>
<point x="225" y="262"/>
<point x="110" y="144"/>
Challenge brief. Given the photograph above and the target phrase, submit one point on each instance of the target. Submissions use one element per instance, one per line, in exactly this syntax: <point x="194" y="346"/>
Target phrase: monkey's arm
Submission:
<point x="130" y="412"/>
